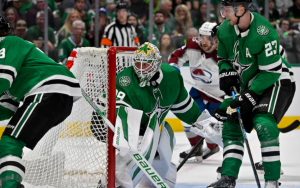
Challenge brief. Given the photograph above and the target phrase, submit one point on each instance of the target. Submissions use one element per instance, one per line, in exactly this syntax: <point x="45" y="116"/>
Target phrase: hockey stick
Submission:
<point x="189" y="154"/>
<point x="138" y="158"/>
<point x="291" y="127"/>
<point x="246" y="141"/>
<point x="203" y="91"/>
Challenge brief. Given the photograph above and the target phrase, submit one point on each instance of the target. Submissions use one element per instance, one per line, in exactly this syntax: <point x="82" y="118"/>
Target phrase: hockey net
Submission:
<point x="79" y="152"/>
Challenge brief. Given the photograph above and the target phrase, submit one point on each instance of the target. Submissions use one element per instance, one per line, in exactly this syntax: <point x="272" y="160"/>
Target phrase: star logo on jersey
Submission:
<point x="145" y="48"/>
<point x="159" y="110"/>
<point x="238" y="66"/>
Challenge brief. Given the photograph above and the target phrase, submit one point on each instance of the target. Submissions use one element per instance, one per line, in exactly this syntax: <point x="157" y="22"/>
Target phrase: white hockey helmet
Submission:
<point x="206" y="28"/>
<point x="147" y="62"/>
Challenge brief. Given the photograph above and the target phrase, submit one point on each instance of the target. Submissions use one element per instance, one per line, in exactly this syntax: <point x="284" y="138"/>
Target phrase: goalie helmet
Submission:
<point x="147" y="62"/>
<point x="5" y="28"/>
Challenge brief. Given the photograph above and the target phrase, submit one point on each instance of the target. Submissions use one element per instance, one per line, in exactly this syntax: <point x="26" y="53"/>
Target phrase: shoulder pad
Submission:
<point x="193" y="44"/>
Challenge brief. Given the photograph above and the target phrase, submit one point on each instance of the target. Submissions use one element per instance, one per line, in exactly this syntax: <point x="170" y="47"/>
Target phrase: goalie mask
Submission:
<point x="147" y="62"/>
<point x="206" y="37"/>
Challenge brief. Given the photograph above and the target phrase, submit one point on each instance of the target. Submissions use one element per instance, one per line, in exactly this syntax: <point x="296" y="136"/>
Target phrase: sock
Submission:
<point x="12" y="169"/>
<point x="211" y="146"/>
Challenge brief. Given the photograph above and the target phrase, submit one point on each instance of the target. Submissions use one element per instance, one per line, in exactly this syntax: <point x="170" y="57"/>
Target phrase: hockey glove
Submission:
<point x="220" y="115"/>
<point x="208" y="127"/>
<point x="246" y="101"/>
<point x="228" y="78"/>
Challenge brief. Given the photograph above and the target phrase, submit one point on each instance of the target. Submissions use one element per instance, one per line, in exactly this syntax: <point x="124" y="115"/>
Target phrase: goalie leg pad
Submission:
<point x="162" y="163"/>
<point x="128" y="173"/>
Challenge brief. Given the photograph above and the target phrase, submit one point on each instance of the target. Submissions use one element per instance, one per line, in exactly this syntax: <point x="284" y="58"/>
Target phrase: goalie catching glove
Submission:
<point x="208" y="127"/>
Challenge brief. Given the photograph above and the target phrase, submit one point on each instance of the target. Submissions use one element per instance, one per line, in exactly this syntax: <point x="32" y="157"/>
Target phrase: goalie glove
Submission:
<point x="208" y="127"/>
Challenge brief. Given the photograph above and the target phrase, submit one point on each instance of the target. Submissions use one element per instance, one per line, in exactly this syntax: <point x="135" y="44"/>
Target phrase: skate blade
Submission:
<point x="192" y="160"/>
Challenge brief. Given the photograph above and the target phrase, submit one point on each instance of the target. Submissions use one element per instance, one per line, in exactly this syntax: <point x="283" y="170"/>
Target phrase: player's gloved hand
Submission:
<point x="220" y="115"/>
<point x="247" y="100"/>
<point x="175" y="66"/>
<point x="228" y="78"/>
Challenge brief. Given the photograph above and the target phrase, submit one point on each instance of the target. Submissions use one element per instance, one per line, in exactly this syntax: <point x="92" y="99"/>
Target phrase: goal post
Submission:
<point x="79" y="152"/>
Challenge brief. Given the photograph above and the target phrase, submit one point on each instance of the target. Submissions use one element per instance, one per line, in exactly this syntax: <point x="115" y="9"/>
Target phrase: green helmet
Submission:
<point x="147" y="62"/>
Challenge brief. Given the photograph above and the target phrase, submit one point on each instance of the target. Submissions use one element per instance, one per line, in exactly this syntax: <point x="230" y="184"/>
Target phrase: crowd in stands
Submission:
<point x="71" y="23"/>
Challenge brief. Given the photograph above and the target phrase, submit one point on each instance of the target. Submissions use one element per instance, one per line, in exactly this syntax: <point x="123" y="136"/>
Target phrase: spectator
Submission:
<point x="181" y="40"/>
<point x="35" y="33"/>
<point x="166" y="7"/>
<point x="33" y="10"/>
<point x="21" y="28"/>
<point x="80" y="6"/>
<point x="286" y="39"/>
<point x="296" y="43"/>
<point x="103" y="22"/>
<point x="182" y="19"/>
<point x="65" y="30"/>
<point x="199" y="17"/>
<point x="175" y="3"/>
<point x="133" y="19"/>
<point x="111" y="7"/>
<point x="12" y="16"/>
<point x="74" y="41"/>
<point x="165" y="47"/>
<point x="159" y="28"/>
<point x="273" y="13"/>
<point x="17" y="5"/>
<point x="116" y="32"/>
<point x="283" y="7"/>
<point x="294" y="13"/>
<point x="139" y="7"/>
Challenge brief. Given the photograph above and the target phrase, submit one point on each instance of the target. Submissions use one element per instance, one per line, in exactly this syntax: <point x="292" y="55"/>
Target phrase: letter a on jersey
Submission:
<point x="247" y="53"/>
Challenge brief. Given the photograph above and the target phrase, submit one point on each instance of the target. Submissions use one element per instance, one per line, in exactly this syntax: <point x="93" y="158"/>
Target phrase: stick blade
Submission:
<point x="291" y="127"/>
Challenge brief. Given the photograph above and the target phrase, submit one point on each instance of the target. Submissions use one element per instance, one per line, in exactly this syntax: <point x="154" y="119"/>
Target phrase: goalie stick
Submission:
<point x="246" y="140"/>
<point x="138" y="158"/>
<point x="291" y="127"/>
<point x="203" y="91"/>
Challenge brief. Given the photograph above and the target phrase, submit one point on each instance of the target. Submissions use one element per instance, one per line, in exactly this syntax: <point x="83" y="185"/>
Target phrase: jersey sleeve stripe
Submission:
<point x="270" y="66"/>
<point x="186" y="101"/>
<point x="8" y="103"/>
<point x="122" y="103"/>
<point x="184" y="108"/>
<point x="7" y="77"/>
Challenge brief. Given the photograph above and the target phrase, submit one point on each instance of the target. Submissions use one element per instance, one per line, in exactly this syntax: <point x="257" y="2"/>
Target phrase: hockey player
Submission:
<point x="47" y="90"/>
<point x="146" y="92"/>
<point x="201" y="52"/>
<point x="248" y="54"/>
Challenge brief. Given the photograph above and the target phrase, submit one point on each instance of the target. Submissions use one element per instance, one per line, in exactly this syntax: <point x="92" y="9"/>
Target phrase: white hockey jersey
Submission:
<point x="203" y="67"/>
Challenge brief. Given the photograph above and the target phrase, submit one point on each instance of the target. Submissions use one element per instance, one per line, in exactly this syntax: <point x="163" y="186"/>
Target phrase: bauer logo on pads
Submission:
<point x="124" y="81"/>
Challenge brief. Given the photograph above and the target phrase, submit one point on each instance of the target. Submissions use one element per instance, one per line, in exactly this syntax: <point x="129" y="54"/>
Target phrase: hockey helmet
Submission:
<point x="234" y="3"/>
<point x="5" y="28"/>
<point x="147" y="62"/>
<point x="122" y="5"/>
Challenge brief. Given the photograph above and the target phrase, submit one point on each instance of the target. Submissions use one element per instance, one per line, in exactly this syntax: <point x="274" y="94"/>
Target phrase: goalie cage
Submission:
<point x="79" y="152"/>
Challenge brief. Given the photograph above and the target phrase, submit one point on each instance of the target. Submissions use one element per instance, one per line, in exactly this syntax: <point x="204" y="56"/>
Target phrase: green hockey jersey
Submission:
<point x="169" y="95"/>
<point x="25" y="70"/>
<point x="254" y="53"/>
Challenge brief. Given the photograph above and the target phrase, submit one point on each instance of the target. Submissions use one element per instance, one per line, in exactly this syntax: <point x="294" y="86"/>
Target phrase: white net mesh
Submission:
<point x="74" y="153"/>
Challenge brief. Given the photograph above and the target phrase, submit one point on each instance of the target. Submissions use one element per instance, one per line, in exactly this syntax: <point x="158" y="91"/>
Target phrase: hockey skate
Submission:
<point x="224" y="182"/>
<point x="272" y="184"/>
<point x="197" y="155"/>
<point x="219" y="171"/>
<point x="207" y="152"/>
<point x="260" y="168"/>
